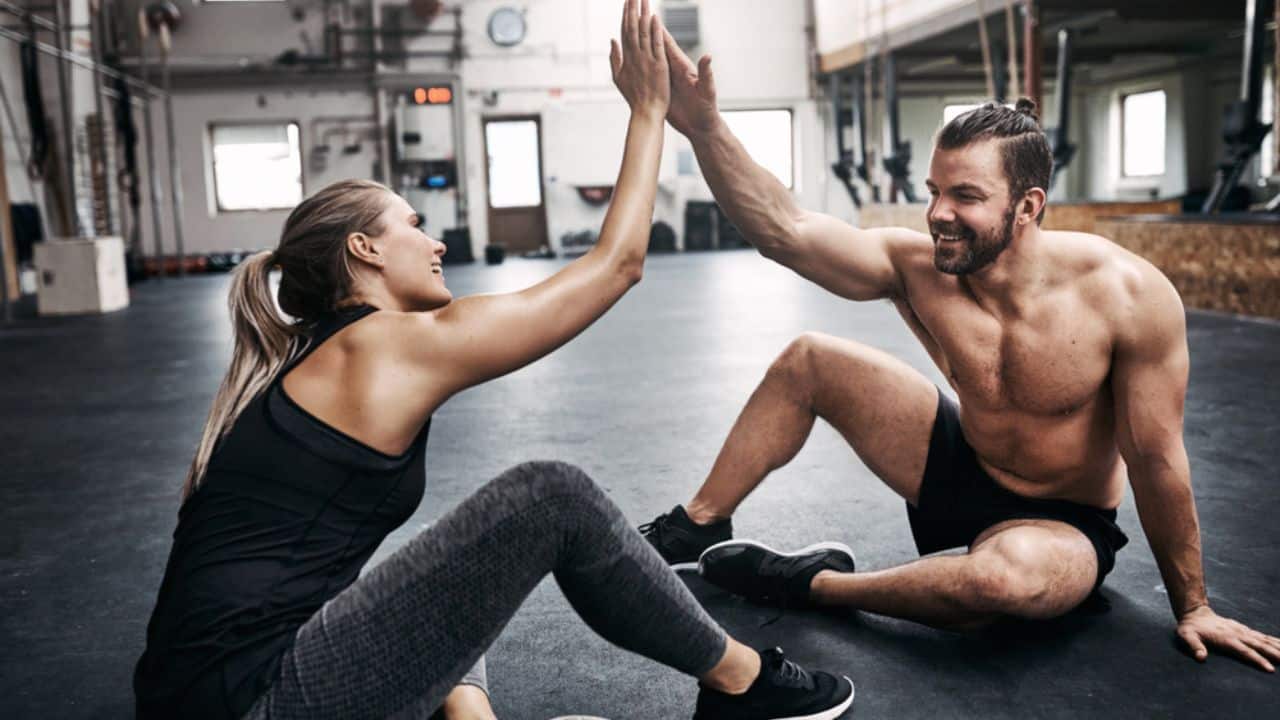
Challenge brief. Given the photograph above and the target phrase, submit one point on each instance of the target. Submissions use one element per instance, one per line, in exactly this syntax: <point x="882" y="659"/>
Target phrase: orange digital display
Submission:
<point x="438" y="95"/>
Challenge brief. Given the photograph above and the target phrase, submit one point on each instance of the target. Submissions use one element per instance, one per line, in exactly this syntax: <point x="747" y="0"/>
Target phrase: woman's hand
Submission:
<point x="639" y="63"/>
<point x="481" y="337"/>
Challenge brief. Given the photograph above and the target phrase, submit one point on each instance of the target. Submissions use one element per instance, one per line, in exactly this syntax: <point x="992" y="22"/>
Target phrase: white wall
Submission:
<point x="561" y="68"/>
<point x="920" y="118"/>
<point x="234" y="29"/>
<point x="1195" y="98"/>
<point x="841" y="23"/>
<point x="759" y="58"/>
<point x="1102" y="105"/>
<point x="1222" y="89"/>
<point x="20" y="187"/>
<point x="206" y="230"/>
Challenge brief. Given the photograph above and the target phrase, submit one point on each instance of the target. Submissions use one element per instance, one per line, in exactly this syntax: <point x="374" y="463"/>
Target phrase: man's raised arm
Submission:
<point x="851" y="262"/>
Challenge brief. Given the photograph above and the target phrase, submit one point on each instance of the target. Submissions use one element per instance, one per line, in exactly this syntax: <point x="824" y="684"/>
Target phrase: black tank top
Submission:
<point x="288" y="512"/>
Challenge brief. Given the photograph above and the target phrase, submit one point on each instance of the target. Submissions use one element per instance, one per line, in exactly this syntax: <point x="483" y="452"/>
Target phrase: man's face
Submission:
<point x="971" y="215"/>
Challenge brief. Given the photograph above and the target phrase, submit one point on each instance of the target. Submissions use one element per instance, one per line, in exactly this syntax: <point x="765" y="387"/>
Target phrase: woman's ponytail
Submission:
<point x="264" y="342"/>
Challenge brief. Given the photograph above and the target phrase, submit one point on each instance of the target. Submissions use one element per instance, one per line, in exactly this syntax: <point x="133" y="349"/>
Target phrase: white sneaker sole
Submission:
<point x="830" y="713"/>
<point x="834" y="546"/>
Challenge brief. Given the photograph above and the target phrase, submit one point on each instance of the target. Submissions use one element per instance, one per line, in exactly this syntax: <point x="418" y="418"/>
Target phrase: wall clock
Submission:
<point x="507" y="26"/>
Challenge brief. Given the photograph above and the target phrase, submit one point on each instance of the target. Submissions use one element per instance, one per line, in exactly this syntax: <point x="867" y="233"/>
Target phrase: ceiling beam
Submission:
<point x="1155" y="9"/>
<point x="928" y="27"/>
<point x="1083" y="54"/>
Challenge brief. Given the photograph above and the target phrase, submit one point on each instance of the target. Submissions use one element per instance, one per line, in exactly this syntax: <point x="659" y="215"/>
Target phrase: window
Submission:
<point x="766" y="134"/>
<point x="1142" y="132"/>
<point x="1267" y="155"/>
<point x="256" y="166"/>
<point x="515" y="173"/>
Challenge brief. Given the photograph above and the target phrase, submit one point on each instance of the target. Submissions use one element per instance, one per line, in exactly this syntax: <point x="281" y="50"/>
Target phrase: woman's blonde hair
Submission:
<point x="315" y="278"/>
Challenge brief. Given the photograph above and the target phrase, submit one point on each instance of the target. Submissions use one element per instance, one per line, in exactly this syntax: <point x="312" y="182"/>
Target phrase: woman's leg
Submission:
<point x="465" y="702"/>
<point x="469" y="699"/>
<point x="402" y="636"/>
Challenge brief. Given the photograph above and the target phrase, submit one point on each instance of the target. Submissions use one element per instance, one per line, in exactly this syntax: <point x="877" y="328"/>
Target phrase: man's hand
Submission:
<point x="693" y="91"/>
<point x="1203" y="628"/>
<point x="639" y="64"/>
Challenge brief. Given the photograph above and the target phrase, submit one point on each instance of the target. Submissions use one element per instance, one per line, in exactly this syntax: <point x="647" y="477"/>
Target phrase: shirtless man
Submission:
<point x="1069" y="358"/>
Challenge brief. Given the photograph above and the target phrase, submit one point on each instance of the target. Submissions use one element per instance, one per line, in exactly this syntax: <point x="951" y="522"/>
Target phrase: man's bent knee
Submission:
<point x="798" y="361"/>
<point x="1014" y="578"/>
<point x="1002" y="588"/>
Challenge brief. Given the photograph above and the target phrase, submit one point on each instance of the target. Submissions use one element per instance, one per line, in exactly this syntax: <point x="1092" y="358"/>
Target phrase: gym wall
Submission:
<point x="759" y="48"/>
<point x="15" y="173"/>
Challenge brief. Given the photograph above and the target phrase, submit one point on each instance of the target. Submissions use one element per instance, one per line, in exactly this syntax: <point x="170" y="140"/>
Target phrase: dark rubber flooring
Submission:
<point x="99" y="416"/>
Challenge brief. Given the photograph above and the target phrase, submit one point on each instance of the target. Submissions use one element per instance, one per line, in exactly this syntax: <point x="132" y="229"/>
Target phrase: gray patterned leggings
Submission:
<point x="401" y="637"/>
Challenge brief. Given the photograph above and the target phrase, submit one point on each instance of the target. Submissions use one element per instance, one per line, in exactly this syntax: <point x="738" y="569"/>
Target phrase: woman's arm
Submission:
<point x="481" y="337"/>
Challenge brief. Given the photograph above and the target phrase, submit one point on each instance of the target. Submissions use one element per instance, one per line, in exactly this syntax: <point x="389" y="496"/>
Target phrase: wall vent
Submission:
<point x="681" y="19"/>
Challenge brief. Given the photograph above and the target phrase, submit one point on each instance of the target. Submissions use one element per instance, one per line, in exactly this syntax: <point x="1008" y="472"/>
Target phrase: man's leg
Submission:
<point x="1033" y="569"/>
<point x="883" y="407"/>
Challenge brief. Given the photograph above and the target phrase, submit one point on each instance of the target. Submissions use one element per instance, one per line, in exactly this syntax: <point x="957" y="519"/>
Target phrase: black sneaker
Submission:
<point x="784" y="691"/>
<point x="680" y="541"/>
<point x="767" y="576"/>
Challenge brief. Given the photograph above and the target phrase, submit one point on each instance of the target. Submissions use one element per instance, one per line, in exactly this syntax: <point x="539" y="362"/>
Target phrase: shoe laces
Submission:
<point x="657" y="528"/>
<point x="788" y="674"/>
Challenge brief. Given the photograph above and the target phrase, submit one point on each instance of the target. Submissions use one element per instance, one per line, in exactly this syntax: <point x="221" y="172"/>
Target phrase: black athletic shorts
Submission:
<point x="958" y="500"/>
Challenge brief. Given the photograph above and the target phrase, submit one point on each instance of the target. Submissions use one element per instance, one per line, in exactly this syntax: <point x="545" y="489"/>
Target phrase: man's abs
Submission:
<point x="1071" y="457"/>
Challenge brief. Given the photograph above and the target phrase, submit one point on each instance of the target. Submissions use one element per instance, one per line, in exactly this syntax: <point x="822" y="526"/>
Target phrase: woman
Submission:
<point x="314" y="452"/>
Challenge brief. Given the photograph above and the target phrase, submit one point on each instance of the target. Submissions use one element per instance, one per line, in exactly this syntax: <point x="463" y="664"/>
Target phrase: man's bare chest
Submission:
<point x="1051" y="364"/>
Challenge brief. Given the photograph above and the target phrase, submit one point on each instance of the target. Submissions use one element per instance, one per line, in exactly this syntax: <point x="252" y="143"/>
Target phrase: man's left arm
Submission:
<point x="1149" y="382"/>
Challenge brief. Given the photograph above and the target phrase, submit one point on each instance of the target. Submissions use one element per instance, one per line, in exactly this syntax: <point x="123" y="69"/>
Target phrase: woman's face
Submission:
<point x="413" y="272"/>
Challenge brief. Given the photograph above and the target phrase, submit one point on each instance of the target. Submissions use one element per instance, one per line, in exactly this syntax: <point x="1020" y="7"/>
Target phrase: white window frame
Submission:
<point x="539" y="168"/>
<point x="1120" y="181"/>
<point x="212" y="173"/>
<point x="791" y="183"/>
<point x="1267" y="152"/>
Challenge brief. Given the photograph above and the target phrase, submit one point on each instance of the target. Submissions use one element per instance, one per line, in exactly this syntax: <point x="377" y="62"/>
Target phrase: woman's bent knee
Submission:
<point x="548" y="478"/>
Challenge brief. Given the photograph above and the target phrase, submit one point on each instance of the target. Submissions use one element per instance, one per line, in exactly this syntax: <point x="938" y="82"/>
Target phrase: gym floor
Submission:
<point x="99" y="417"/>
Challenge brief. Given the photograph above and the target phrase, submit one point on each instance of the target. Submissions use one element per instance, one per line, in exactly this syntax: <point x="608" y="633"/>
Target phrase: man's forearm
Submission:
<point x="1167" y="509"/>
<point x="752" y="198"/>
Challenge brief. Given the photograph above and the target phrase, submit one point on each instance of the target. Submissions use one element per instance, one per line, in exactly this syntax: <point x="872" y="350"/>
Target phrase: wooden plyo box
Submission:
<point x="81" y="275"/>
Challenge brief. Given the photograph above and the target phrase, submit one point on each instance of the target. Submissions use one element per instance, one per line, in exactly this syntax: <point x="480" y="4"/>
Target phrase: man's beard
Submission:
<point x="974" y="251"/>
